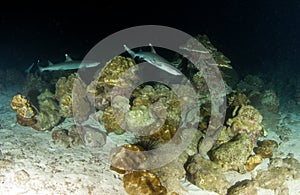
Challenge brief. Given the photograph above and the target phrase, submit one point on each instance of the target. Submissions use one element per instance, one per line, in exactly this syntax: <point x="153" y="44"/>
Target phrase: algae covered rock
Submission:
<point x="253" y="161"/>
<point x="143" y="182"/>
<point x="48" y="115"/>
<point x="246" y="120"/>
<point x="233" y="155"/>
<point x="270" y="101"/>
<point x="207" y="175"/>
<point x="279" y="172"/>
<point x="44" y="117"/>
<point x="110" y="123"/>
<point x="245" y="187"/>
<point x="67" y="138"/>
<point x="63" y="94"/>
<point x="236" y="140"/>
<point x="118" y="77"/>
<point x="25" y="110"/>
<point x="251" y="85"/>
<point x="127" y="158"/>
<point x="266" y="148"/>
<point x="171" y="174"/>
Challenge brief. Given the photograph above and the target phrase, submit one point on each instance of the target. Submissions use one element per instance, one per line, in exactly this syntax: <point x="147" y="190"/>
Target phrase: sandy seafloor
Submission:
<point x="32" y="164"/>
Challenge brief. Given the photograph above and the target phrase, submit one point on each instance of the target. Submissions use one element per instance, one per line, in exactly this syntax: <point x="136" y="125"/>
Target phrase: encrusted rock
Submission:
<point x="63" y="94"/>
<point x="67" y="138"/>
<point x="266" y="148"/>
<point x="48" y="116"/>
<point x="233" y="155"/>
<point x="206" y="175"/>
<point x="245" y="187"/>
<point x="118" y="77"/>
<point x="25" y="110"/>
<point x="143" y="182"/>
<point x="171" y="173"/>
<point x="127" y="158"/>
<point x="110" y="123"/>
<point x="253" y="161"/>
<point x="279" y="171"/>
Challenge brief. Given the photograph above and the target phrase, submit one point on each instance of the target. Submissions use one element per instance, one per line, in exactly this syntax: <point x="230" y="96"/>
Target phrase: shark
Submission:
<point x="30" y="68"/>
<point x="154" y="59"/>
<point x="68" y="64"/>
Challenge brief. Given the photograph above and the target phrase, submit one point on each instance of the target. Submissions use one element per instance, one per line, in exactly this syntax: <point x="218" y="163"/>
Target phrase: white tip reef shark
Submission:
<point x="154" y="59"/>
<point x="69" y="64"/>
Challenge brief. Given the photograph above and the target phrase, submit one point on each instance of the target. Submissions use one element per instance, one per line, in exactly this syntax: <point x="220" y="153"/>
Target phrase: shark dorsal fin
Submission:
<point x="68" y="58"/>
<point x="50" y="63"/>
<point x="152" y="48"/>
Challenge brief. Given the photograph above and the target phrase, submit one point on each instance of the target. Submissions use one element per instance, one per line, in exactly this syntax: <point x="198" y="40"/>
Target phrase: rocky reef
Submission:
<point x="156" y="114"/>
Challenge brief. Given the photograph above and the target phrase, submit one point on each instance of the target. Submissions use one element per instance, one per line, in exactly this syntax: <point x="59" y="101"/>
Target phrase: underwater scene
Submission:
<point x="144" y="109"/>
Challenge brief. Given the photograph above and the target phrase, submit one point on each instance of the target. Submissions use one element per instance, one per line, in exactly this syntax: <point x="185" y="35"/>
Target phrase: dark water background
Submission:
<point x="258" y="36"/>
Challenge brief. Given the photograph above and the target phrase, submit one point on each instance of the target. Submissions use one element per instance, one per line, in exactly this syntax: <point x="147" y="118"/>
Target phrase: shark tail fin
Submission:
<point x="41" y="69"/>
<point x="129" y="51"/>
<point x="28" y="70"/>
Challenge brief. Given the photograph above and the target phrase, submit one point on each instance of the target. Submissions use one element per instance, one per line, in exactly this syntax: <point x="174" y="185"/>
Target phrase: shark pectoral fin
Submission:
<point x="68" y="58"/>
<point x="152" y="48"/>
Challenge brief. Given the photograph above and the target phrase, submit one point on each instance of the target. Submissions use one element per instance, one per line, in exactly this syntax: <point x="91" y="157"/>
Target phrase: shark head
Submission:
<point x="155" y="59"/>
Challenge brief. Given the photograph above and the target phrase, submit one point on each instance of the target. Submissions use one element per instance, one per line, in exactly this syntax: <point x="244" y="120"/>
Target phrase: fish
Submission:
<point x="154" y="59"/>
<point x="69" y="64"/>
<point x="30" y="68"/>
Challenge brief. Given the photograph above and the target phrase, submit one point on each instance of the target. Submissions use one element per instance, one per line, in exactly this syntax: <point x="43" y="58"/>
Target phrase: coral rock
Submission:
<point x="67" y="138"/>
<point x="65" y="105"/>
<point x="63" y="94"/>
<point x="64" y="86"/>
<point x="25" y="121"/>
<point x="110" y="123"/>
<point x="48" y="116"/>
<point x="25" y="110"/>
<point x="270" y="101"/>
<point x="118" y="77"/>
<point x="266" y="148"/>
<point x="127" y="158"/>
<point x="171" y="173"/>
<point x="248" y="121"/>
<point x="245" y="187"/>
<point x="110" y="75"/>
<point x="233" y="155"/>
<point x="143" y="182"/>
<point x="238" y="99"/>
<point x="22" y="106"/>
<point x="206" y="175"/>
<point x="253" y="161"/>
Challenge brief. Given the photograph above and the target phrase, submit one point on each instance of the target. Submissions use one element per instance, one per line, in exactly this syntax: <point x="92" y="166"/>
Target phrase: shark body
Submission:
<point x="69" y="64"/>
<point x="154" y="59"/>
